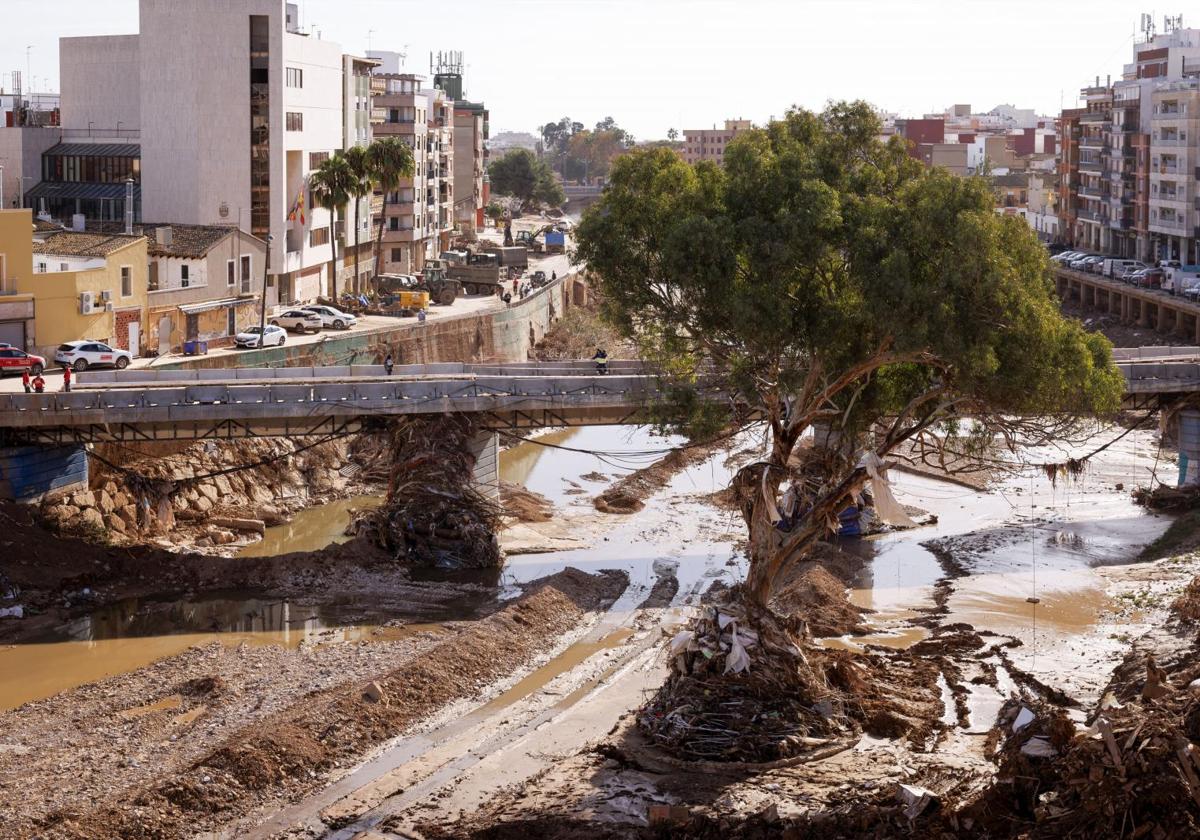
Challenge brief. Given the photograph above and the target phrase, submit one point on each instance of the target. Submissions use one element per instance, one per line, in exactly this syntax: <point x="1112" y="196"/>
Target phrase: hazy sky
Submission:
<point x="656" y="64"/>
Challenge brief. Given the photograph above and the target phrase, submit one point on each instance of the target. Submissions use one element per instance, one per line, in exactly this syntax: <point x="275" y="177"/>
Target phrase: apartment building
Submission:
<point x="234" y="109"/>
<point x="418" y="218"/>
<point x="710" y="143"/>
<point x="1128" y="157"/>
<point x="470" y="164"/>
<point x="356" y="127"/>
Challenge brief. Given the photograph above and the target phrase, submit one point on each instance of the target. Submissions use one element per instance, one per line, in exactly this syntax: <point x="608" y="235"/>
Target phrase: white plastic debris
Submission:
<point x="737" y="660"/>
<point x="12" y="612"/>
<point x="914" y="799"/>
<point x="887" y="508"/>
<point x="724" y="621"/>
<point x="1024" y="718"/>
<point x="1038" y="747"/>
<point x="681" y="641"/>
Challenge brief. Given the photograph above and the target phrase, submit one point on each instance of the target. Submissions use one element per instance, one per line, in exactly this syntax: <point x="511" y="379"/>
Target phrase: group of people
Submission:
<point x="37" y="385"/>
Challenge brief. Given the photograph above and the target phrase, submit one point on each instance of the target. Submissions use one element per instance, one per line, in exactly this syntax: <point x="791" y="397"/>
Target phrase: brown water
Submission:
<point x="311" y="529"/>
<point x="132" y="634"/>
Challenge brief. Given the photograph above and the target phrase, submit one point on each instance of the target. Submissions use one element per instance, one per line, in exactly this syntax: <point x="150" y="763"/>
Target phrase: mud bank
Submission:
<point x="196" y="741"/>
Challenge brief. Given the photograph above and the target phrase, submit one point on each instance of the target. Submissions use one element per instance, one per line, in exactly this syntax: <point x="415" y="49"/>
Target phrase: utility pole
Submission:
<point x="262" y="317"/>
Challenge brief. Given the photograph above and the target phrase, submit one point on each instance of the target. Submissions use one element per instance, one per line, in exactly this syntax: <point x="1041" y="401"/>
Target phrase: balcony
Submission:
<point x="1173" y="142"/>
<point x="1093" y="143"/>
<point x="1175" y="227"/>
<point x="1091" y="166"/>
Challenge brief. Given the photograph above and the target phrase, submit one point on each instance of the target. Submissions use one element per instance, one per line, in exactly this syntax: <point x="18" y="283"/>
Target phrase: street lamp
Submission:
<point x="262" y="318"/>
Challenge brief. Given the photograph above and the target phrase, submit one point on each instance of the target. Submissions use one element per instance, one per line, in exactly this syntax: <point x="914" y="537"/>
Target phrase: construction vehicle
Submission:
<point x="548" y="238"/>
<point x="432" y="281"/>
<point x="512" y="257"/>
<point x="478" y="273"/>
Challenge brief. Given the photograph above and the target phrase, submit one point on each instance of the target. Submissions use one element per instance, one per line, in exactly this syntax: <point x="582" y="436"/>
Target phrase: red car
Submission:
<point x="15" y="360"/>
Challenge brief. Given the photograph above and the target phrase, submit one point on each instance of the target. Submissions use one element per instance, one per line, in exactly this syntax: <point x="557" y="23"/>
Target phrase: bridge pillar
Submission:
<point x="1143" y="314"/>
<point x="1114" y="303"/>
<point x="29" y="473"/>
<point x="1189" y="446"/>
<point x="485" y="446"/>
<point x="1181" y="324"/>
<point x="1126" y="308"/>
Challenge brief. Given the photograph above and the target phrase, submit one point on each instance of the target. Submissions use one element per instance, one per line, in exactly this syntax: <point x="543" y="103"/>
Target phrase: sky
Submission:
<point x="660" y="64"/>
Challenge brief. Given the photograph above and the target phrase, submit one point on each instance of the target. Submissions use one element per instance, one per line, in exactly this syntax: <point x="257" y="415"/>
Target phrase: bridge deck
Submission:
<point x="162" y="405"/>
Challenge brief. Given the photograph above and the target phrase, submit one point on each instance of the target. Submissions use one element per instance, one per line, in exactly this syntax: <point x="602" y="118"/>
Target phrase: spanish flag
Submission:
<point x="298" y="207"/>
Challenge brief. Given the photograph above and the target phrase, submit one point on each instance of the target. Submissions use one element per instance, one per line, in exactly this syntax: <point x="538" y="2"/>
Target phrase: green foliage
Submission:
<point x="821" y="256"/>
<point x="389" y="161"/>
<point x="333" y="186"/>
<point x="524" y="176"/>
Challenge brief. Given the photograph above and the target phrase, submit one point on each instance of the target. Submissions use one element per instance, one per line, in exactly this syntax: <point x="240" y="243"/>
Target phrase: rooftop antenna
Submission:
<point x="1147" y="26"/>
<point x="1172" y="23"/>
<point x="370" y="32"/>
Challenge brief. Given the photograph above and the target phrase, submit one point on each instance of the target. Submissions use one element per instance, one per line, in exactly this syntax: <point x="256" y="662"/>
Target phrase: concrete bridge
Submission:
<point x="295" y="402"/>
<point x="1147" y="308"/>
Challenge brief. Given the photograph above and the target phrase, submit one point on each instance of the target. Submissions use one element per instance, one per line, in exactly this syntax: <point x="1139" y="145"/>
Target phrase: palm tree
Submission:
<point x="356" y="159"/>
<point x="391" y="161"/>
<point x="331" y="185"/>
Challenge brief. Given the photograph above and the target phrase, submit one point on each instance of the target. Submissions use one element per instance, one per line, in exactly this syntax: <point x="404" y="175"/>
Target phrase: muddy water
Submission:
<point x="311" y="529"/>
<point x="134" y="633"/>
<point x="674" y="534"/>
<point x="1031" y="550"/>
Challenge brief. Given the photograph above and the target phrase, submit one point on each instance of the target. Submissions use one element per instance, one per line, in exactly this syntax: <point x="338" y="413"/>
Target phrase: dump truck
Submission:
<point x="514" y="257"/>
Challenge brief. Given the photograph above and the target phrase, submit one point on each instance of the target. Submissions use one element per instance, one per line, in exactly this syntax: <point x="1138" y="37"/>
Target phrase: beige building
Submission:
<point x="470" y="164"/>
<point x="418" y="218"/>
<point x="87" y="285"/>
<point x="1174" y="140"/>
<point x="709" y="144"/>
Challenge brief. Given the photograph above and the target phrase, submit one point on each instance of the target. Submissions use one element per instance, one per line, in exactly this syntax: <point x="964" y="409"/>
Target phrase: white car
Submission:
<point x="299" y="320"/>
<point x="331" y="317"/>
<point x="81" y="355"/>
<point x="269" y="336"/>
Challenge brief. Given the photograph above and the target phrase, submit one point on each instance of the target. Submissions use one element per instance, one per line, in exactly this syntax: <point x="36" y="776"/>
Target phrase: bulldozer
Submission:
<point x="431" y="285"/>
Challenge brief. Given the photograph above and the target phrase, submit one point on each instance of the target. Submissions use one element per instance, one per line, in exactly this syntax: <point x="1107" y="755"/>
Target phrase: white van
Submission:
<point x="1117" y="268"/>
<point x="1179" y="279"/>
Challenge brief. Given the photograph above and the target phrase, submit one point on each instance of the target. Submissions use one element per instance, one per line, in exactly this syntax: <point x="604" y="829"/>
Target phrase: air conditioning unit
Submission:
<point x="108" y="307"/>
<point x="87" y="302"/>
<point x="106" y="295"/>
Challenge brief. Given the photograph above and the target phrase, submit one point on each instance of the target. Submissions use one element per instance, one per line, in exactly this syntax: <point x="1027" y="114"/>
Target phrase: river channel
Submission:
<point x="1031" y="559"/>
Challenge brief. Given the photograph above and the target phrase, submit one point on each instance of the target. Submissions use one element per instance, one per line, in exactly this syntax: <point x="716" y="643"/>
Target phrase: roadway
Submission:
<point x="467" y="305"/>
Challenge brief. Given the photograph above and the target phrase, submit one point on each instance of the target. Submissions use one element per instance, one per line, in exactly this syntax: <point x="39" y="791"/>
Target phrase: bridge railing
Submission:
<point x="1132" y="354"/>
<point x="143" y="376"/>
<point x="182" y="401"/>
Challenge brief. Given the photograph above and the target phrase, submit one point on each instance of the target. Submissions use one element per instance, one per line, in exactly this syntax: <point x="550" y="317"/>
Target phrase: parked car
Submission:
<point x="1092" y="265"/>
<point x="331" y="317"/>
<point x="1116" y="267"/>
<point x="299" y="320"/>
<point x="269" y="336"/>
<point x="1169" y="264"/>
<point x="1077" y="263"/>
<point x="538" y="279"/>
<point x="1149" y="278"/>
<point x="1065" y="257"/>
<point x="81" y="355"/>
<point x="16" y="360"/>
<point x="1127" y="276"/>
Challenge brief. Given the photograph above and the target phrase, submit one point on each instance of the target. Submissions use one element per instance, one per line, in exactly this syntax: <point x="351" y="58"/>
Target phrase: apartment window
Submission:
<point x="64" y="267"/>
<point x="230" y="272"/>
<point x="295" y="77"/>
<point x="318" y="236"/>
<point x="295" y="121"/>
<point x="396" y="255"/>
<point x="393" y="223"/>
<point x="126" y="281"/>
<point x="152" y="277"/>
<point x="184" y="276"/>
<point x="315" y="159"/>
<point x="245" y="274"/>
<point x="41" y="267"/>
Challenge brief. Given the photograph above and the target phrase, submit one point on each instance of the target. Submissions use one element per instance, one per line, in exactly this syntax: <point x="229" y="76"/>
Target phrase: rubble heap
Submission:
<point x="1135" y="772"/>
<point x="432" y="515"/>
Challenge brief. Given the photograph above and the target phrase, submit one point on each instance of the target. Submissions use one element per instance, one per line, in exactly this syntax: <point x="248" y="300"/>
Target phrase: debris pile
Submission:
<point x="432" y="515"/>
<point x="1135" y="772"/>
<point x="1168" y="499"/>
<point x="743" y="690"/>
<point x="523" y="504"/>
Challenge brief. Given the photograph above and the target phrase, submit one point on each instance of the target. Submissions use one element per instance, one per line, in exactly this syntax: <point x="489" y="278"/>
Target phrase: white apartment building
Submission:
<point x="235" y="108"/>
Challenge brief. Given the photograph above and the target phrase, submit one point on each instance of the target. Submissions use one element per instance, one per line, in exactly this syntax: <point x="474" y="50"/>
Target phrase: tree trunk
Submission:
<point x="357" y="285"/>
<point x="379" y="237"/>
<point x="333" y="259"/>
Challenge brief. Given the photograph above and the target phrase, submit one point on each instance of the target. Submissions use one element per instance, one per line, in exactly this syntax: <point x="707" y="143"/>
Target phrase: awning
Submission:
<point x="129" y="150"/>
<point x="193" y="308"/>
<point x="77" y="189"/>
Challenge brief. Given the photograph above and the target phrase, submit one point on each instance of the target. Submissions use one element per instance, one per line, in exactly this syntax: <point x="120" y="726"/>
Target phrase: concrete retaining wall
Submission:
<point x="500" y="335"/>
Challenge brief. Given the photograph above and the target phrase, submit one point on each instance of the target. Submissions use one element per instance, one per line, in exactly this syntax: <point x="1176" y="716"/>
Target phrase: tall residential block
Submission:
<point x="1128" y="157"/>
<point x="234" y="109"/>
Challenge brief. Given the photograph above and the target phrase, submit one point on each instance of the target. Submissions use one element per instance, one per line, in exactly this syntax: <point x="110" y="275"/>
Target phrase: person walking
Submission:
<point x="25" y="380"/>
<point x="388" y="364"/>
<point x="67" y="378"/>
<point x="601" y="360"/>
<point x="553" y="276"/>
<point x="39" y="384"/>
<point x="420" y="316"/>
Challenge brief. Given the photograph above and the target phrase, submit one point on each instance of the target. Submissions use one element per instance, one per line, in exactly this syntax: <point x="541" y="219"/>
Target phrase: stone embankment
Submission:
<point x="206" y="495"/>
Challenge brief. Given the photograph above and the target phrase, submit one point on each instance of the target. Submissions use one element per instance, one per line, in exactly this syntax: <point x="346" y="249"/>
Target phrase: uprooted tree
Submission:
<point x="824" y="278"/>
